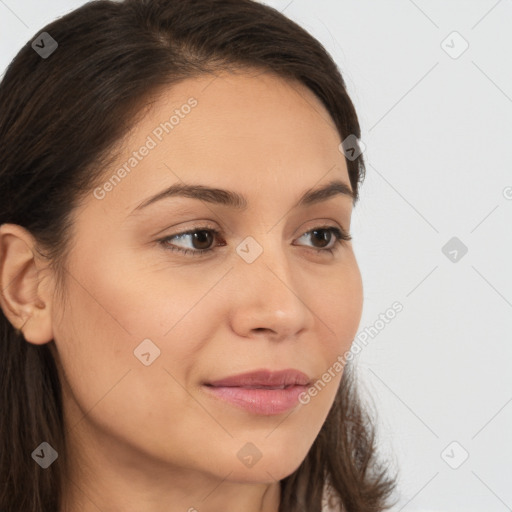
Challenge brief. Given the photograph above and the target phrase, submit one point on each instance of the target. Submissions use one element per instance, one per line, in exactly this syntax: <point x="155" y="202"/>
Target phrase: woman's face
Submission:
<point x="144" y="326"/>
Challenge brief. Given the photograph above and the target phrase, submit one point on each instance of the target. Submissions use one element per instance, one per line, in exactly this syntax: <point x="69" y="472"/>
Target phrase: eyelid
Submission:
<point x="341" y="237"/>
<point x="316" y="224"/>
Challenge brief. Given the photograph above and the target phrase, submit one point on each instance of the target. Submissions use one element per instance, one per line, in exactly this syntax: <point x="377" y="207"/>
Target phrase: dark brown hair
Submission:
<point x="61" y="118"/>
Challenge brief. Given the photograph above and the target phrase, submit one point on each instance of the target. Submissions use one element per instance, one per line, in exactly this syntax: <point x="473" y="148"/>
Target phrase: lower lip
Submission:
<point x="259" y="401"/>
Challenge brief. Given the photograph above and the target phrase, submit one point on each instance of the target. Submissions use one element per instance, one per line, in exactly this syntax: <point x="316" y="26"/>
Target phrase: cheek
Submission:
<point x="338" y="306"/>
<point x="109" y="387"/>
<point x="109" y="311"/>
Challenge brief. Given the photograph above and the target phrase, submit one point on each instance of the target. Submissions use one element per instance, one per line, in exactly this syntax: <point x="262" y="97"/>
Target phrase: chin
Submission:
<point x="269" y="469"/>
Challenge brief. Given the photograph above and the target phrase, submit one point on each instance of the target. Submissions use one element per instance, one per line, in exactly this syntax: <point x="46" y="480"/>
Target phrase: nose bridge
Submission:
<point x="264" y="261"/>
<point x="267" y="296"/>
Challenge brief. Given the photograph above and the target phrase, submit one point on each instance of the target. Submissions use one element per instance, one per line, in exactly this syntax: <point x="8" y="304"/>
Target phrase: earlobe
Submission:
<point x="24" y="299"/>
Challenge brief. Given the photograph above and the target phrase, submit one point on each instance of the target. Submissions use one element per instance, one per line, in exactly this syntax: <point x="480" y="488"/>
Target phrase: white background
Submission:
<point x="437" y="133"/>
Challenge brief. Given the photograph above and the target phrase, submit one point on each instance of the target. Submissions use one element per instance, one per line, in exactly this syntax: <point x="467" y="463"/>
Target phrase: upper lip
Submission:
<point x="264" y="378"/>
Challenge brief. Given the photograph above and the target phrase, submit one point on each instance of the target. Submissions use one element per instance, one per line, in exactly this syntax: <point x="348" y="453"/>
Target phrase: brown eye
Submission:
<point x="324" y="238"/>
<point x="200" y="241"/>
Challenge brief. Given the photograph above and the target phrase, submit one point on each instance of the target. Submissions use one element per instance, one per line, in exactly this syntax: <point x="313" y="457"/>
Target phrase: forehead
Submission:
<point x="250" y="131"/>
<point x="249" y="109"/>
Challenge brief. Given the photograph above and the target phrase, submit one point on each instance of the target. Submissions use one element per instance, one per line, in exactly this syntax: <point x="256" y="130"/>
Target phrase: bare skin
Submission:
<point x="149" y="438"/>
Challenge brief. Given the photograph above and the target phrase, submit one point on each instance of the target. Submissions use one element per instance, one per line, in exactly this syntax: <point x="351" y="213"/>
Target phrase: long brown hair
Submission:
<point x="61" y="116"/>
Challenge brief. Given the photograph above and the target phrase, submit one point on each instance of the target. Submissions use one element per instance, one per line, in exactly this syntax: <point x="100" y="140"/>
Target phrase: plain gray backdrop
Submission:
<point x="432" y="85"/>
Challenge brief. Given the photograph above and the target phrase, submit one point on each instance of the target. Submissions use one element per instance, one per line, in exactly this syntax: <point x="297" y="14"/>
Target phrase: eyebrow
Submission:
<point x="238" y="201"/>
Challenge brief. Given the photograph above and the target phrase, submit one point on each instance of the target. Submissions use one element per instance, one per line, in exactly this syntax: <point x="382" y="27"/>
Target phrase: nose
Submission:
<point x="268" y="298"/>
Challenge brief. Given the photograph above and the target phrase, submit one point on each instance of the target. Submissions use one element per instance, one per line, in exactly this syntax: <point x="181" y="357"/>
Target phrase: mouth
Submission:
<point x="258" y="400"/>
<point x="253" y="387"/>
<point x="262" y="392"/>
<point x="264" y="379"/>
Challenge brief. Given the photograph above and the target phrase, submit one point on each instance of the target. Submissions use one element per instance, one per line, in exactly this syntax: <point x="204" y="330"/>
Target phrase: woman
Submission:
<point x="179" y="289"/>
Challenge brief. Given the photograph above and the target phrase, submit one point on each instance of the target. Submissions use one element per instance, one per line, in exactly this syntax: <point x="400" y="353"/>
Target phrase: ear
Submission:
<point x="25" y="284"/>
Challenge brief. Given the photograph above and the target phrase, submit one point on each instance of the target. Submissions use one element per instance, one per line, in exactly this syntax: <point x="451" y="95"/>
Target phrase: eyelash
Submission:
<point x="341" y="238"/>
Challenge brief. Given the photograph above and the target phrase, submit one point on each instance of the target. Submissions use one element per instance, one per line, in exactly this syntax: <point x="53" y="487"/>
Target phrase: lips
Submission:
<point x="263" y="379"/>
<point x="261" y="392"/>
